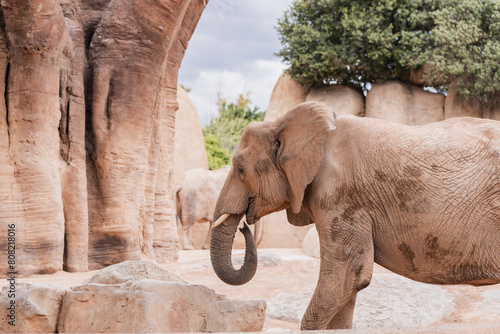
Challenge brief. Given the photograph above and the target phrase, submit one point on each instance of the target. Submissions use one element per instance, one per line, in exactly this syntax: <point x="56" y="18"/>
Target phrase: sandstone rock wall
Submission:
<point x="404" y="103"/>
<point x="456" y="107"/>
<point x="87" y="116"/>
<point x="286" y="95"/>
<point x="189" y="144"/>
<point x="133" y="118"/>
<point x="343" y="99"/>
<point x="310" y="243"/>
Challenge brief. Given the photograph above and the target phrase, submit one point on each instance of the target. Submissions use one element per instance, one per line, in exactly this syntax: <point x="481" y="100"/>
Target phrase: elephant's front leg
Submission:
<point x="346" y="268"/>
<point x="343" y="318"/>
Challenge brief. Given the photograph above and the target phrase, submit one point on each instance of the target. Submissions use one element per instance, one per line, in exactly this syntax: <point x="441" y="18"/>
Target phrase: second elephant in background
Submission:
<point x="196" y="194"/>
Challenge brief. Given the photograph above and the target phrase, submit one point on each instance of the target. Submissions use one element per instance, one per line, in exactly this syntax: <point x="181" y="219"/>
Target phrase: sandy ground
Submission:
<point x="286" y="279"/>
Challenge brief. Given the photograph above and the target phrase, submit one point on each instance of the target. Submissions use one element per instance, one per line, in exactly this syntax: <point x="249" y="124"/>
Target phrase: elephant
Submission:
<point x="421" y="201"/>
<point x="196" y="194"/>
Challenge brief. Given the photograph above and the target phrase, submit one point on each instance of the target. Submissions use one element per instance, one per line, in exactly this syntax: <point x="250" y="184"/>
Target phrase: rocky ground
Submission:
<point x="286" y="279"/>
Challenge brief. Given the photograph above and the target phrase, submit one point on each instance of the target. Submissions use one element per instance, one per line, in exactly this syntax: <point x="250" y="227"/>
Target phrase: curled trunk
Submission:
<point x="221" y="242"/>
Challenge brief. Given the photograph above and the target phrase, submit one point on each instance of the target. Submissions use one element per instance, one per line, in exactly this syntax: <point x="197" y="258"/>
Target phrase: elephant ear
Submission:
<point x="301" y="133"/>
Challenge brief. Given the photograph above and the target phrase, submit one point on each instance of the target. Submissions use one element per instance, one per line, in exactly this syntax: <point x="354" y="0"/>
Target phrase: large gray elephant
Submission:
<point x="422" y="201"/>
<point x="196" y="194"/>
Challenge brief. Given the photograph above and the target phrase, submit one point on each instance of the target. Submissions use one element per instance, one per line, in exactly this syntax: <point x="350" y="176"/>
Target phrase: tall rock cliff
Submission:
<point x="87" y="116"/>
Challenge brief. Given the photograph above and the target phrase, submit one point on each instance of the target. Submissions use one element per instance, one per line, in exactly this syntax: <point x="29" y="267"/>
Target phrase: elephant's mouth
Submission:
<point x="251" y="218"/>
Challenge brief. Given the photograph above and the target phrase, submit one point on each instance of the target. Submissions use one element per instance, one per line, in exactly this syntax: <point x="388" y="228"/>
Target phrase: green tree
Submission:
<point x="462" y="48"/>
<point x="224" y="132"/>
<point x="344" y="41"/>
<point x="217" y="156"/>
<point x="360" y="42"/>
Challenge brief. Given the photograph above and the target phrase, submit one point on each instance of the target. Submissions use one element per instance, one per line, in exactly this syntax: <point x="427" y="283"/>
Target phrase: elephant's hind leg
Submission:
<point x="186" y="241"/>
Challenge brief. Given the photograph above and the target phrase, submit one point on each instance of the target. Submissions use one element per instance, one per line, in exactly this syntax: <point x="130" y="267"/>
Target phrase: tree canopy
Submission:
<point x="223" y="133"/>
<point x="360" y="42"/>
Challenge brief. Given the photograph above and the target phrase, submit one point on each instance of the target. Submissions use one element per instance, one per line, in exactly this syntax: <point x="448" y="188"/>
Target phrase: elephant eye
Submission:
<point x="240" y="171"/>
<point x="278" y="144"/>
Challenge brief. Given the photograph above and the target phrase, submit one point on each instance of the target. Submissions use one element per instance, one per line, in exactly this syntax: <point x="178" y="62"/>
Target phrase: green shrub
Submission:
<point x="217" y="156"/>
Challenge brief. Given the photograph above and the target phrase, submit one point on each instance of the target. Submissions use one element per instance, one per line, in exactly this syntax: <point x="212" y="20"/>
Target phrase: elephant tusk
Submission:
<point x="220" y="220"/>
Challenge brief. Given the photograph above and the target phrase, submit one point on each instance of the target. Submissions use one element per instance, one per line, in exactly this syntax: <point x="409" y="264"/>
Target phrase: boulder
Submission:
<point x="133" y="271"/>
<point x="455" y="106"/>
<point x="188" y="137"/>
<point x="310" y="244"/>
<point x="404" y="103"/>
<point x="492" y="113"/>
<point x="156" y="306"/>
<point x="279" y="233"/>
<point x="286" y="95"/>
<point x="343" y="99"/>
<point x="37" y="308"/>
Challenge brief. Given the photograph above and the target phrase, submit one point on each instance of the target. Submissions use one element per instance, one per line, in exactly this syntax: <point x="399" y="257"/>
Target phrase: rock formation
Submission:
<point x="133" y="271"/>
<point x="37" y="308"/>
<point x="404" y="103"/>
<point x="279" y="233"/>
<point x="140" y="304"/>
<point x="343" y="99"/>
<point x="189" y="144"/>
<point x="310" y="244"/>
<point x="87" y="122"/>
<point x="286" y="95"/>
<point x="157" y="307"/>
<point x="133" y="119"/>
<point x="455" y="106"/>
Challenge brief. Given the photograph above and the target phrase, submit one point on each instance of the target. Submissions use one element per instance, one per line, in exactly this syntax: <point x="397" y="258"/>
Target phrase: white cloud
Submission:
<point x="257" y="78"/>
<point x="232" y="51"/>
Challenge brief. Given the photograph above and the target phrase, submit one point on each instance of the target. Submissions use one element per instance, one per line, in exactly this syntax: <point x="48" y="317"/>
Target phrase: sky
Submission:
<point x="232" y="52"/>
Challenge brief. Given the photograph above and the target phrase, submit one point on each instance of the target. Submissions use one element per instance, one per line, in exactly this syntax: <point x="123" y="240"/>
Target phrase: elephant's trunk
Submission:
<point x="221" y="242"/>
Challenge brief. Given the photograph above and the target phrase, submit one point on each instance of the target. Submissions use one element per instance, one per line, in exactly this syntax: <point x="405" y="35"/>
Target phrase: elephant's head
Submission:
<point x="272" y="166"/>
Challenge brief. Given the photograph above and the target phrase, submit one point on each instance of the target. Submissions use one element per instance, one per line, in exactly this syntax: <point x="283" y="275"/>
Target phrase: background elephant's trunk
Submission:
<point x="221" y="242"/>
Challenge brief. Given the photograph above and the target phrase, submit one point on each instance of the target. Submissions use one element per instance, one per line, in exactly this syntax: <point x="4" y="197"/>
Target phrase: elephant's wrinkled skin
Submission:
<point x="422" y="201"/>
